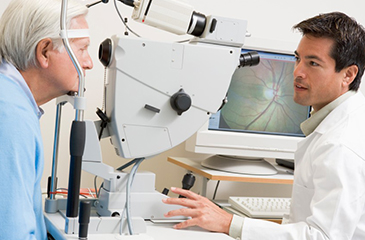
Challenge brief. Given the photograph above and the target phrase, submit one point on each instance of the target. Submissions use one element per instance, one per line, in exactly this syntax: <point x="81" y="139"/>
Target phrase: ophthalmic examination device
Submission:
<point x="157" y="94"/>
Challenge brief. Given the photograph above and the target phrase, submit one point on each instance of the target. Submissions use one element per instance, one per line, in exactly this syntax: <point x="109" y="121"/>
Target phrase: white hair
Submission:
<point x="26" y="22"/>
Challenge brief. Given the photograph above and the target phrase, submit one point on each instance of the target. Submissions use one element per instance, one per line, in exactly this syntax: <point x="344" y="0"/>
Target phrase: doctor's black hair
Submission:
<point x="348" y="36"/>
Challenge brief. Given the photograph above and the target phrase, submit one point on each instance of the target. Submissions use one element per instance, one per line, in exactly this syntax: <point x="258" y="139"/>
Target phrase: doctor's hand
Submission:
<point x="202" y="211"/>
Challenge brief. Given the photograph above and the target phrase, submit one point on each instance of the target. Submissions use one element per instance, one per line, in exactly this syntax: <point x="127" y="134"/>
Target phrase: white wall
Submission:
<point x="267" y="19"/>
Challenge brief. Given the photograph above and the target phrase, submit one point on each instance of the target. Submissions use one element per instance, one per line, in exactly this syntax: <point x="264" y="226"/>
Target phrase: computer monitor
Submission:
<point x="260" y="119"/>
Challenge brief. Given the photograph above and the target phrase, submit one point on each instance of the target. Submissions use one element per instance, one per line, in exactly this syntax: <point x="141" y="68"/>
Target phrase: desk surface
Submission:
<point x="195" y="167"/>
<point x="55" y="225"/>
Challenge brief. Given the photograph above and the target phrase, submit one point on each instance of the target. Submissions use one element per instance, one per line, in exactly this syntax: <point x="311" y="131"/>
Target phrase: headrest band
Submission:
<point x="75" y="33"/>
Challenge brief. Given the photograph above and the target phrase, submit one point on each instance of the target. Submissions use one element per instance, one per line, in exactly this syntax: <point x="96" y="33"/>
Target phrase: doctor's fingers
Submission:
<point x="188" y="223"/>
<point x="211" y="220"/>
<point x="186" y="212"/>
<point x="186" y="202"/>
<point x="186" y="193"/>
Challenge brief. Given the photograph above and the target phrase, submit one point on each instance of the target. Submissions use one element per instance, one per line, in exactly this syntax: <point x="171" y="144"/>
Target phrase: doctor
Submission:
<point x="328" y="199"/>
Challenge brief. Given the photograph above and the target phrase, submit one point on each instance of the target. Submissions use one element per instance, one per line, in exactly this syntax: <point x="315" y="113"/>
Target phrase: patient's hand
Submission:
<point x="202" y="211"/>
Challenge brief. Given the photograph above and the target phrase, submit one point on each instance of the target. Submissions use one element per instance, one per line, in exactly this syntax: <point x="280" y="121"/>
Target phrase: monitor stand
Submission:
<point x="239" y="165"/>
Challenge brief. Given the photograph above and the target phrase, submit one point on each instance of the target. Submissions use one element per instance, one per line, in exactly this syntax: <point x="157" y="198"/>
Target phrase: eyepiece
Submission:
<point x="249" y="59"/>
<point x="105" y="52"/>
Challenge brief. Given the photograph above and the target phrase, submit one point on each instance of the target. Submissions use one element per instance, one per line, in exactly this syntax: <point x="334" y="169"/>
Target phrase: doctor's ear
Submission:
<point x="44" y="47"/>
<point x="350" y="74"/>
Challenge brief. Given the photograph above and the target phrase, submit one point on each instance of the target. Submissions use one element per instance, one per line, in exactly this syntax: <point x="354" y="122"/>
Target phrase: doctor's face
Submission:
<point x="316" y="83"/>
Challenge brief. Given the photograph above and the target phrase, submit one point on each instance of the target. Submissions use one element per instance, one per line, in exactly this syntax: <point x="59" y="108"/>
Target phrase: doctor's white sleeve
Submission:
<point x="235" y="229"/>
<point x="336" y="206"/>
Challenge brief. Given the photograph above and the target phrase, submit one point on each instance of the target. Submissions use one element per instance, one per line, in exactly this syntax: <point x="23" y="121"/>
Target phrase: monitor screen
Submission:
<point x="260" y="99"/>
<point x="260" y="119"/>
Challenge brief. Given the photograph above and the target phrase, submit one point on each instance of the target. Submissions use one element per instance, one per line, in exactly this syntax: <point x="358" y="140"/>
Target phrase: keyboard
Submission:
<point x="261" y="207"/>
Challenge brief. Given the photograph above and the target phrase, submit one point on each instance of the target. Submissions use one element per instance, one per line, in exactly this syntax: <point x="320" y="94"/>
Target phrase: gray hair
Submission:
<point x="26" y="22"/>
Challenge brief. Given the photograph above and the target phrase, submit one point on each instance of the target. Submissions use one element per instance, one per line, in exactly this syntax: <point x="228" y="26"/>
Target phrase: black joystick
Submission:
<point x="187" y="182"/>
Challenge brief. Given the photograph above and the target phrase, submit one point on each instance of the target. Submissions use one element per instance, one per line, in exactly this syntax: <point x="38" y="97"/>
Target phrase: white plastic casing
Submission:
<point x="145" y="72"/>
<point x="168" y="15"/>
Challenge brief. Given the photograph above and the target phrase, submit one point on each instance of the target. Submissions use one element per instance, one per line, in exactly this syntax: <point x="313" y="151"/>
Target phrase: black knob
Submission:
<point x="84" y="218"/>
<point x="180" y="101"/>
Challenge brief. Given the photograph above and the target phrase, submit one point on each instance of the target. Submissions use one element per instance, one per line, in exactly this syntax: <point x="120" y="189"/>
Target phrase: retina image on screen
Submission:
<point x="260" y="99"/>
<point x="260" y="119"/>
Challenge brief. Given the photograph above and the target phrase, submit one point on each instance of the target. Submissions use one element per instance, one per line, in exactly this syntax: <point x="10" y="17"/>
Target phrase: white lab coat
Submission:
<point x="328" y="199"/>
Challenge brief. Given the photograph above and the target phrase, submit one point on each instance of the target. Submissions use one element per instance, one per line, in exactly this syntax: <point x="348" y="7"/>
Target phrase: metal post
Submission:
<point x="77" y="140"/>
<point x="55" y="150"/>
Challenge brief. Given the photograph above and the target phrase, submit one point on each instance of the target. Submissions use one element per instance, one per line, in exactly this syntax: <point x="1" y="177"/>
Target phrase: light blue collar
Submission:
<point x="12" y="73"/>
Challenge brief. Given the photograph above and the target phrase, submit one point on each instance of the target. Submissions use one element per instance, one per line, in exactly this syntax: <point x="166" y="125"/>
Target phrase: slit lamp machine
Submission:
<point x="152" y="104"/>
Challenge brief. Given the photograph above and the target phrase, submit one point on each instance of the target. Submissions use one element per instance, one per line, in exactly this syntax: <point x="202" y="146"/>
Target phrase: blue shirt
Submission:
<point x="21" y="159"/>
